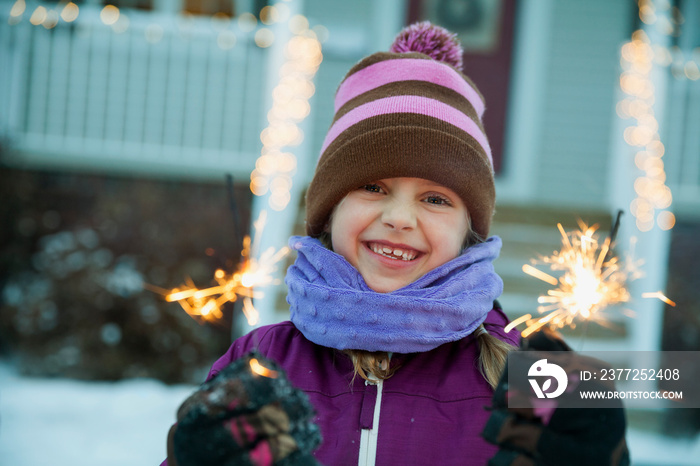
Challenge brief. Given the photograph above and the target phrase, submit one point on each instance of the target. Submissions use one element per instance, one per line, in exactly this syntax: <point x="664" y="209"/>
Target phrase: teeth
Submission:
<point x="393" y="253"/>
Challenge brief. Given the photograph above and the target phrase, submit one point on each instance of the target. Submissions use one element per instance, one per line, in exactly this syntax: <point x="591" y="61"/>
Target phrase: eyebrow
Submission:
<point x="439" y="187"/>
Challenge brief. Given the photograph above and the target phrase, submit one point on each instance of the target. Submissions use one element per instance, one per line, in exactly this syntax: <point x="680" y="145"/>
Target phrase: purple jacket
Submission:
<point x="432" y="410"/>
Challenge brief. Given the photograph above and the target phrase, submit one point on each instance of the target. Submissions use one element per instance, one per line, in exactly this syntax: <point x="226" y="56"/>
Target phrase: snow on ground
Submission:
<point x="70" y="423"/>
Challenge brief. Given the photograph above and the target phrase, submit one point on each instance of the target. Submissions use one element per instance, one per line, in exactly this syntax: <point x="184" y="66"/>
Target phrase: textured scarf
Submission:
<point x="332" y="305"/>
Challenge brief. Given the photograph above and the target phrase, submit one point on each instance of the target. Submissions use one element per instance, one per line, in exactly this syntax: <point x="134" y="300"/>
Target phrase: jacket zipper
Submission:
<point x="368" y="437"/>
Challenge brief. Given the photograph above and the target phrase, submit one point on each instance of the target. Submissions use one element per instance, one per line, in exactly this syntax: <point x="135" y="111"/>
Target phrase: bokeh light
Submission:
<point x="121" y="25"/>
<point x="220" y="21"/>
<point x="226" y="40"/>
<point x="638" y="58"/>
<point x="269" y="15"/>
<point x="38" y="16"/>
<point x="283" y="12"/>
<point x="70" y="12"/>
<point x="109" y="14"/>
<point x="18" y="8"/>
<point x="247" y="22"/>
<point x="322" y="33"/>
<point x="298" y="24"/>
<point x="692" y="71"/>
<point x="666" y="220"/>
<point x="264" y="37"/>
<point x="51" y="19"/>
<point x="290" y="105"/>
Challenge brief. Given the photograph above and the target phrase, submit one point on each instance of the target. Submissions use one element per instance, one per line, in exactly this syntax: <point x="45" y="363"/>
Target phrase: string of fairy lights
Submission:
<point x="653" y="200"/>
<point x="290" y="106"/>
<point x="118" y="20"/>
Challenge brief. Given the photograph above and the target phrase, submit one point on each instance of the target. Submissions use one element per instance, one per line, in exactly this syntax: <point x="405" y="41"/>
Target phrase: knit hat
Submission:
<point x="409" y="112"/>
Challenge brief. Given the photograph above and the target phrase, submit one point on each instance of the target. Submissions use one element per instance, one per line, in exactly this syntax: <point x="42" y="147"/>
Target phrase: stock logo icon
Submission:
<point x="541" y="369"/>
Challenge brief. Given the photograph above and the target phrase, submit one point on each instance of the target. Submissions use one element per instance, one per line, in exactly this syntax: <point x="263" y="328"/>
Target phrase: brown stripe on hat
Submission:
<point x="408" y="120"/>
<point x="419" y="88"/>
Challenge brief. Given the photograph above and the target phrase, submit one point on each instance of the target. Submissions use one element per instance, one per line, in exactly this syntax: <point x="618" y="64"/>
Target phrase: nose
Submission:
<point x="399" y="215"/>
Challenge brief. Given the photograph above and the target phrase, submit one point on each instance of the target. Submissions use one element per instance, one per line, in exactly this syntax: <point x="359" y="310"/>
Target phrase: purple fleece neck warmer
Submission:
<point x="332" y="305"/>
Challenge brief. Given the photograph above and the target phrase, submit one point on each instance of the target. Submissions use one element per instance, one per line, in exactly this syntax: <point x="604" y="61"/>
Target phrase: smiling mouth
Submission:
<point x="393" y="253"/>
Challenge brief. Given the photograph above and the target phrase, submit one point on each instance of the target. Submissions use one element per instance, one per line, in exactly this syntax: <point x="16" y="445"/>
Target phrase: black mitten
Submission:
<point x="242" y="418"/>
<point x="543" y="432"/>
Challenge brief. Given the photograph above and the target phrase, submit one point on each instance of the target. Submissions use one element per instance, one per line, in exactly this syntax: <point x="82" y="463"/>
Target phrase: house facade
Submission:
<point x="181" y="89"/>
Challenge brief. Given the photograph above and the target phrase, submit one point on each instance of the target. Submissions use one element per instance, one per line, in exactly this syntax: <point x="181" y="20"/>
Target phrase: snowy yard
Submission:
<point x="70" y="423"/>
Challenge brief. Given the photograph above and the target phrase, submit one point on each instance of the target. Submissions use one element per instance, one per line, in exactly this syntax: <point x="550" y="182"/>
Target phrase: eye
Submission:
<point x="372" y="188"/>
<point x="437" y="199"/>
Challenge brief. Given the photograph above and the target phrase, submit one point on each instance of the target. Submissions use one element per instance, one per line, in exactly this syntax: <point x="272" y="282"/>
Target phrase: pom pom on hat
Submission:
<point x="429" y="39"/>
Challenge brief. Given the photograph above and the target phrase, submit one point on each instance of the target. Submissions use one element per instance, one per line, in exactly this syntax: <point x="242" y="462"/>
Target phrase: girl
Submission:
<point x="395" y="335"/>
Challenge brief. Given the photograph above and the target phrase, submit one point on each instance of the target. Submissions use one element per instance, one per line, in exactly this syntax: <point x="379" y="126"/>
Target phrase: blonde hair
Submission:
<point x="375" y="363"/>
<point x="492" y="359"/>
<point x="492" y="355"/>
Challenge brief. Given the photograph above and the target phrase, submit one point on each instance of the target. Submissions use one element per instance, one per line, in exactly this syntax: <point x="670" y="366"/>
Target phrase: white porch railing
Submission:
<point x="166" y="95"/>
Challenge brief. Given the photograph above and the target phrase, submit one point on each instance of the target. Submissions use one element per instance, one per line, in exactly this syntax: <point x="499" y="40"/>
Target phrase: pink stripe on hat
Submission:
<point x="409" y="104"/>
<point x="406" y="69"/>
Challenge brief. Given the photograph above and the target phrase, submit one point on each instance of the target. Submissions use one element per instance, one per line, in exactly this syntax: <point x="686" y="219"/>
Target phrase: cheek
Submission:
<point x="456" y="242"/>
<point x="344" y="231"/>
<point x="349" y="218"/>
<point x="452" y="237"/>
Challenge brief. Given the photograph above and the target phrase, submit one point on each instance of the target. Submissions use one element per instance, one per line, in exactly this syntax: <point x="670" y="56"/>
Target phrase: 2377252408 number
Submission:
<point x="639" y="374"/>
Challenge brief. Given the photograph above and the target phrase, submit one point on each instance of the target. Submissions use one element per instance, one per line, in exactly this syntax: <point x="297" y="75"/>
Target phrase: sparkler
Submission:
<point x="252" y="272"/>
<point x="659" y="295"/>
<point x="259" y="369"/>
<point x="591" y="278"/>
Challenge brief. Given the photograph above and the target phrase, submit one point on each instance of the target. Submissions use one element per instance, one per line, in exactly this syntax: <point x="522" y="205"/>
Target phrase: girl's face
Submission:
<point x="396" y="230"/>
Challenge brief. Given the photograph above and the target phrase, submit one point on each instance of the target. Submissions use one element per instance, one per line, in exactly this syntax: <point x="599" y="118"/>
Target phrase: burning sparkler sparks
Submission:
<point x="591" y="278"/>
<point x="259" y="369"/>
<point x="252" y="272"/>
<point x="659" y="295"/>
